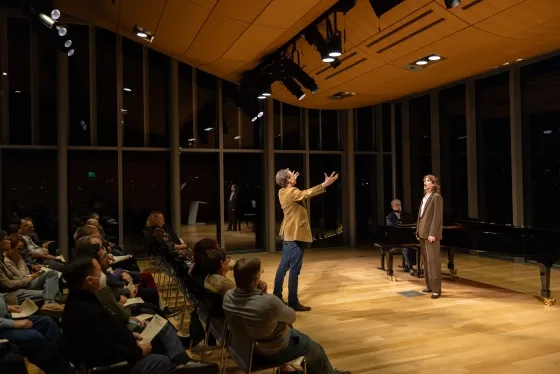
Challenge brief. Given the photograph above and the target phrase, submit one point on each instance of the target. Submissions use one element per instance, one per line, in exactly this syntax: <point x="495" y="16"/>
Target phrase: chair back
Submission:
<point x="240" y="345"/>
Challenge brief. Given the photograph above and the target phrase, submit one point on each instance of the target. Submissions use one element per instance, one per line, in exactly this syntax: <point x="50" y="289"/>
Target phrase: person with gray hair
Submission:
<point x="293" y="230"/>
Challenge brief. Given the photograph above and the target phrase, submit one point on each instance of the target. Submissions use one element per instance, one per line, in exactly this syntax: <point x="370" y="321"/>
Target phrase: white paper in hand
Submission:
<point x="153" y="328"/>
<point x="28" y="308"/>
<point x="120" y="258"/>
<point x="133" y="300"/>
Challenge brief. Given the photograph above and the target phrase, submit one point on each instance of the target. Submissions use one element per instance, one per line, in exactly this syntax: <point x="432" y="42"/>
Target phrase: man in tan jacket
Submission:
<point x="294" y="229"/>
<point x="429" y="232"/>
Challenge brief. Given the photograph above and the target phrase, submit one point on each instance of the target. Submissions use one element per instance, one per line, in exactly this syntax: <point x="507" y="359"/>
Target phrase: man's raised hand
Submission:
<point x="330" y="179"/>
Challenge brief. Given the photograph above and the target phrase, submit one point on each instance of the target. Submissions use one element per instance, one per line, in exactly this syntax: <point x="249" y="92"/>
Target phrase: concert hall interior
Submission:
<point x="177" y="114"/>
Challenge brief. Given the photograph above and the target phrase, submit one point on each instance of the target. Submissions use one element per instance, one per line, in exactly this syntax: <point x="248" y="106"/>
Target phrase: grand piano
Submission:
<point x="473" y="235"/>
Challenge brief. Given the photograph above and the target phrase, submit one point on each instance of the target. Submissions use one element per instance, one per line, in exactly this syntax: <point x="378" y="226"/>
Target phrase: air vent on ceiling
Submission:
<point x="475" y="2"/>
<point x="341" y="95"/>
<point x="413" y="67"/>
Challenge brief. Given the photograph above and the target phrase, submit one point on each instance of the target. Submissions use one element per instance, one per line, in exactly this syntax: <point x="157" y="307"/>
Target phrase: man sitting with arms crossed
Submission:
<point x="97" y="337"/>
<point x="267" y="321"/>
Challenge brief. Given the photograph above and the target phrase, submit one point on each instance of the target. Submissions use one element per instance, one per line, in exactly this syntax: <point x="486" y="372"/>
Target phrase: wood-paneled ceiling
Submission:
<point x="228" y="37"/>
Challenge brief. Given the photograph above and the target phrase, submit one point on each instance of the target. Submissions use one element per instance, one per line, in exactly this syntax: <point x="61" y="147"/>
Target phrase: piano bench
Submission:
<point x="388" y="250"/>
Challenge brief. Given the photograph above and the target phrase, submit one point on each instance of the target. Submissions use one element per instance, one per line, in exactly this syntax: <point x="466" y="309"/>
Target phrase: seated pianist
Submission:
<point x="392" y="220"/>
<point x="98" y="336"/>
<point x="122" y="290"/>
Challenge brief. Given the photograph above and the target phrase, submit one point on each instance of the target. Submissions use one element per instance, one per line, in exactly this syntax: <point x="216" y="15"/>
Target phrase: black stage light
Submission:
<point x="452" y="3"/>
<point x="293" y="70"/>
<point x="293" y="87"/>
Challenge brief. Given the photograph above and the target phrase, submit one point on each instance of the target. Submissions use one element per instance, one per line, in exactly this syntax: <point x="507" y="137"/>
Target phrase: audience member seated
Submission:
<point x="164" y="235"/>
<point x="216" y="264"/>
<point x="51" y="245"/>
<point x="40" y="287"/>
<point x="93" y="247"/>
<point x="197" y="271"/>
<point x="96" y="337"/>
<point x="13" y="259"/>
<point x="267" y="321"/>
<point x="40" y="255"/>
<point x="129" y="264"/>
<point x="114" y="248"/>
<point x="99" y="227"/>
<point x="36" y="337"/>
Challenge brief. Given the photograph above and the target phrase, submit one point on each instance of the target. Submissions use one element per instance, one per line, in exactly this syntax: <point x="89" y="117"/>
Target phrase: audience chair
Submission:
<point x="215" y="320"/>
<point x="242" y="349"/>
<point x="118" y="368"/>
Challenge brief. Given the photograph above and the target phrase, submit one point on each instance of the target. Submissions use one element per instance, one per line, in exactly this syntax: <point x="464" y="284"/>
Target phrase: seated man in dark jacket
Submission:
<point x="392" y="220"/>
<point x="96" y="337"/>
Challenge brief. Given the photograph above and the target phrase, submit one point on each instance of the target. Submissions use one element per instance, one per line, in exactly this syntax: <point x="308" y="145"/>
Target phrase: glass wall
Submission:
<point x="540" y="88"/>
<point x="493" y="137"/>
<point x="420" y="146"/>
<point x="453" y="138"/>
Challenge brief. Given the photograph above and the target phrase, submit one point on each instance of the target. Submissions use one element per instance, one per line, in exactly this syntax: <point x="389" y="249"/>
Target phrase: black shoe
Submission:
<point x="197" y="367"/>
<point x="171" y="312"/>
<point x="300" y="308"/>
<point x="186" y="341"/>
<point x="426" y="290"/>
<point x="435" y="296"/>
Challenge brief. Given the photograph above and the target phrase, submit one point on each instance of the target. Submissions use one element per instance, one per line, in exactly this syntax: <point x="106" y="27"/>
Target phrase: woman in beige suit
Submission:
<point x="429" y="232"/>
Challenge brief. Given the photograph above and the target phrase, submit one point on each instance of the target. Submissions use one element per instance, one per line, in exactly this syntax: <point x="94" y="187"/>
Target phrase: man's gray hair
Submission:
<point x="282" y="177"/>
<point x="83" y="242"/>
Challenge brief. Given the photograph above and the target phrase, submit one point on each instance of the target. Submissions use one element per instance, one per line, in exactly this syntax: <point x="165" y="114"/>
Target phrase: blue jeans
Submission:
<point x="301" y="345"/>
<point x="153" y="363"/>
<point x="45" y="288"/>
<point x="39" y="344"/>
<point x="292" y="259"/>
<point x="168" y="351"/>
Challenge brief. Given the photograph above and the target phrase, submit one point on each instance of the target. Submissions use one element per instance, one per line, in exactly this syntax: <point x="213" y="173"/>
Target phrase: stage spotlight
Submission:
<point x="267" y="91"/>
<point x="143" y="34"/>
<point x="293" y="87"/>
<point x="452" y="3"/>
<point x="55" y="14"/>
<point x="295" y="71"/>
<point x="335" y="45"/>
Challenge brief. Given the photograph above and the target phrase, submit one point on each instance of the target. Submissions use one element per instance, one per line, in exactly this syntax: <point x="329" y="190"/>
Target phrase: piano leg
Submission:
<point x="382" y="266"/>
<point x="544" y="269"/>
<point x="451" y="260"/>
<point x="390" y="273"/>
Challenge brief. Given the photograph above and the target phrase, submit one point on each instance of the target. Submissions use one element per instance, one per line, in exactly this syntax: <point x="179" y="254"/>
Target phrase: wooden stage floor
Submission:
<point x="488" y="321"/>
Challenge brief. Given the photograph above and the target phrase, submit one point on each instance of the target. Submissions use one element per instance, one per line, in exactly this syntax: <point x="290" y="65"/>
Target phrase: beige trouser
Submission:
<point x="432" y="264"/>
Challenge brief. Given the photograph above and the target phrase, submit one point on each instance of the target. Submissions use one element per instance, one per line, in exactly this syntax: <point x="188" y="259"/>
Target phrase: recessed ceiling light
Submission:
<point x="434" y="58"/>
<point x="519" y="59"/>
<point x="266" y="94"/>
<point x="262" y="97"/>
<point x="421" y="62"/>
<point x="506" y="63"/>
<point x="141" y="34"/>
<point x="547" y="132"/>
<point x="127" y="89"/>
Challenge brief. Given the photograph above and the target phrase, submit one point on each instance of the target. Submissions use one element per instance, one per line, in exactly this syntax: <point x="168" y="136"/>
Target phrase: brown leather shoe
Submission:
<point x="300" y="308"/>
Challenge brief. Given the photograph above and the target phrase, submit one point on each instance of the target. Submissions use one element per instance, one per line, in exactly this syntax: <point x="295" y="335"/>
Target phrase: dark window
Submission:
<point x="206" y="111"/>
<point x="93" y="188"/>
<point x="29" y="189"/>
<point x="292" y="128"/>
<point x="244" y="213"/>
<point x="420" y="146"/>
<point x="398" y="137"/>
<point x="364" y="129"/>
<point x="159" y="99"/>
<point x="387" y="184"/>
<point x="366" y="197"/>
<point x="145" y="189"/>
<point x="386" y="125"/>
<point x="3" y="78"/>
<point x="106" y="72"/>
<point x="453" y="138"/>
<point x="19" y="78"/>
<point x="540" y="89"/>
<point x="277" y="128"/>
<point x="232" y="133"/>
<point x="185" y="106"/>
<point x="314" y="129"/>
<point x="47" y="82"/>
<point x="294" y="162"/>
<point x="330" y="130"/>
<point x="326" y="209"/>
<point x="133" y="98"/>
<point x="78" y="86"/>
<point x="200" y="197"/>
<point x="493" y="153"/>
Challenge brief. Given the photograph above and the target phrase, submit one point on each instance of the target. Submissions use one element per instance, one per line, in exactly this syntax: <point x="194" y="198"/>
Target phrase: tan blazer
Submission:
<point x="295" y="225"/>
<point x="430" y="223"/>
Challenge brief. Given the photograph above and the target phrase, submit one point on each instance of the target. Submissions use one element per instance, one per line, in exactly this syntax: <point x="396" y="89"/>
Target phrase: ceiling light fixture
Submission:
<point x="143" y="34"/>
<point x="434" y="58"/>
<point x="519" y="59"/>
<point x="422" y="62"/>
<point x="452" y="3"/>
